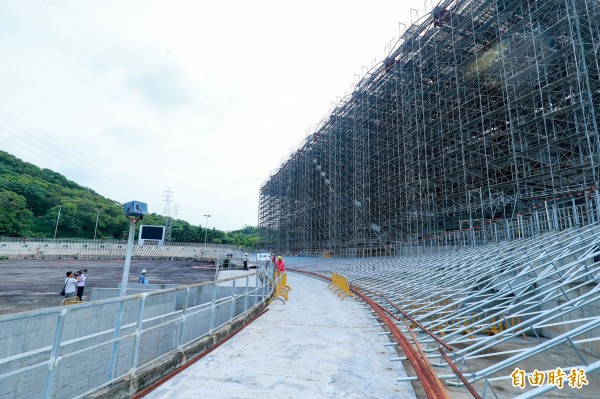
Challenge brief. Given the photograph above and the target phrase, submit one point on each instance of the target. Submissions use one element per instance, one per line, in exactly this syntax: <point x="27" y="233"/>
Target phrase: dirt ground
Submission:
<point x="35" y="284"/>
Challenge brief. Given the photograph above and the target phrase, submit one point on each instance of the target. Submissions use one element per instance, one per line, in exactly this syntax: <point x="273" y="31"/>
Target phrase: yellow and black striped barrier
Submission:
<point x="282" y="290"/>
<point x="339" y="286"/>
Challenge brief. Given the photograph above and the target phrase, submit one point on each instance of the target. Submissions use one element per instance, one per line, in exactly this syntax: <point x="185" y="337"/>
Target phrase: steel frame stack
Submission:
<point x="531" y="304"/>
<point x="484" y="110"/>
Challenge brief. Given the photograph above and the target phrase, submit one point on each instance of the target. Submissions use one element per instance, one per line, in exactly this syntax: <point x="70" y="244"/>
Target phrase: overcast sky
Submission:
<point x="206" y="98"/>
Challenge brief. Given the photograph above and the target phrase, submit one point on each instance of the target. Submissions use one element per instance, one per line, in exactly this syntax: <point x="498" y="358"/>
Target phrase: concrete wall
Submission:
<point x="48" y="248"/>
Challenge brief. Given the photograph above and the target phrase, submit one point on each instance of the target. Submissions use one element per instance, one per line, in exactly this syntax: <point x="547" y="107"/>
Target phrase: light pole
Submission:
<point x="96" y="228"/>
<point x="57" y="219"/>
<point x="134" y="211"/>
<point x="206" y="232"/>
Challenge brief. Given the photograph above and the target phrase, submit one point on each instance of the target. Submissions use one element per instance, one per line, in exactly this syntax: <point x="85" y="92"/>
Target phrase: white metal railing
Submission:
<point x="546" y="216"/>
<point x="72" y="351"/>
<point x="551" y="215"/>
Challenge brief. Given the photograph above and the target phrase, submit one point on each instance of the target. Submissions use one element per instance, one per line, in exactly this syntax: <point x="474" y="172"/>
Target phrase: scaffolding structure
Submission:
<point x="482" y="111"/>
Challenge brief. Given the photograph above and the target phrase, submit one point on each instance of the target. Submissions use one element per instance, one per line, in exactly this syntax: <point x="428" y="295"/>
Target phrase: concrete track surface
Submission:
<point x="314" y="346"/>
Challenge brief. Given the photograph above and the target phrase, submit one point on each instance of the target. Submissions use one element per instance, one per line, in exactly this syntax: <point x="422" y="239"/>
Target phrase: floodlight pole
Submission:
<point x="57" y="219"/>
<point x="96" y="227"/>
<point x="134" y="211"/>
<point x="128" y="253"/>
<point x="205" y="237"/>
<point x="115" y="347"/>
<point x="206" y="231"/>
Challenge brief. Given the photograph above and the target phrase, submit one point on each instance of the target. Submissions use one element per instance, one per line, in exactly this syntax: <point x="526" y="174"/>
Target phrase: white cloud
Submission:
<point x="207" y="98"/>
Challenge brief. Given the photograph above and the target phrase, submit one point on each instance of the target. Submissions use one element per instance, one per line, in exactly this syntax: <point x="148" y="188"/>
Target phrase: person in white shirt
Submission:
<point x="81" y="283"/>
<point x="70" y="283"/>
<point x="245" y="260"/>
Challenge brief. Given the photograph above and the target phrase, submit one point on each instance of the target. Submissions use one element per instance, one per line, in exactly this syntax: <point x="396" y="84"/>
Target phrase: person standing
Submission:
<point x="280" y="265"/>
<point x="81" y="283"/>
<point x="245" y="261"/>
<point x="143" y="279"/>
<point x="70" y="284"/>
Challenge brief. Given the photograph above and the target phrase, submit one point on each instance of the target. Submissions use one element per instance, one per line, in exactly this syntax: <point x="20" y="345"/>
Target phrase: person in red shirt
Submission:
<point x="280" y="265"/>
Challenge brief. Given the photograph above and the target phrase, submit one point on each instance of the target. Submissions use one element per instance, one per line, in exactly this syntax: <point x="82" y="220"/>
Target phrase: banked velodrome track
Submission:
<point x="476" y="313"/>
<point x="528" y="304"/>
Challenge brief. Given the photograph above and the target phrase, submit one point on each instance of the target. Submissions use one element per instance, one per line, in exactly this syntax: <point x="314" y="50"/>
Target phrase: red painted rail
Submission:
<point x="432" y="385"/>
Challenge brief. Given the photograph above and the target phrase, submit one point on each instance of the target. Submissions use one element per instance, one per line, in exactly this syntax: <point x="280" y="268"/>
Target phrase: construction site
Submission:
<point x="455" y="189"/>
<point x="479" y="126"/>
<point x="447" y="212"/>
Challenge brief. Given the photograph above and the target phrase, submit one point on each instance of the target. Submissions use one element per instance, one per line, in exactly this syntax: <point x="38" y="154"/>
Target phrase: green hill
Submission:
<point x="30" y="198"/>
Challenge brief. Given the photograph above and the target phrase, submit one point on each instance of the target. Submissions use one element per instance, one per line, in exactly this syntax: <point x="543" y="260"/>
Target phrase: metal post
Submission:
<point x="57" y="219"/>
<point x="112" y="366"/>
<point x="246" y="296"/>
<point x="256" y="285"/>
<point x="96" y="227"/>
<point x="575" y="216"/>
<point x="128" y="258"/>
<point x="484" y="232"/>
<point x="548" y="215"/>
<point x="138" y="334"/>
<point x="206" y="230"/>
<point x="183" y="318"/>
<point x="232" y="300"/>
<point x="263" y="289"/>
<point x="115" y="349"/>
<point x="597" y="204"/>
<point x="522" y="226"/>
<point x="60" y="326"/>
<point x="213" y="307"/>
<point x="588" y="210"/>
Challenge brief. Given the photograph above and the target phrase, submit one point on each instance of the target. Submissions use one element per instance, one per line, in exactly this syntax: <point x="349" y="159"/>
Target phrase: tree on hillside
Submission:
<point x="15" y="218"/>
<point x="30" y="198"/>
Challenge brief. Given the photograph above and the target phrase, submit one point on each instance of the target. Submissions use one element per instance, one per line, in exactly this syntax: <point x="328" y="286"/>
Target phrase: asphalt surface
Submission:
<point x="35" y="284"/>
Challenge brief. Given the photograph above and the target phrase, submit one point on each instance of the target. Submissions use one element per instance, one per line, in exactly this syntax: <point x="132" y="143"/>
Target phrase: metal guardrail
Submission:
<point x="73" y="351"/>
<point x="548" y="215"/>
<point x="553" y="214"/>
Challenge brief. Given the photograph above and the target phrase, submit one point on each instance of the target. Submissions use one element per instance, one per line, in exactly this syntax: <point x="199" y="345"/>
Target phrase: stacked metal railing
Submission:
<point x="499" y="306"/>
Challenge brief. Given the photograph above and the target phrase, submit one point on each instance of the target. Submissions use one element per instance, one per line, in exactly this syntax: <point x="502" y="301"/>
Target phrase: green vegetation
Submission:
<point x="30" y="198"/>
